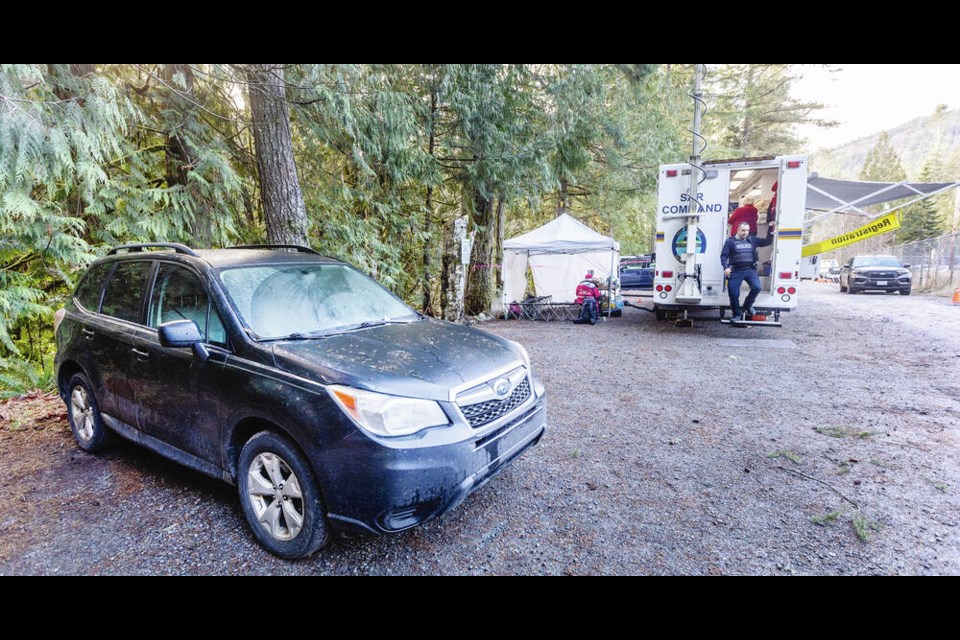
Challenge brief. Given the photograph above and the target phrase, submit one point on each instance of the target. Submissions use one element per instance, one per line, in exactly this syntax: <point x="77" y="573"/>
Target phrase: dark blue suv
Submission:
<point x="326" y="400"/>
<point x="636" y="273"/>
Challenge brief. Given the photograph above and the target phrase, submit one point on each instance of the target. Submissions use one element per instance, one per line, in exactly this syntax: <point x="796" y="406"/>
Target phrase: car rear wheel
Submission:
<point x="280" y="498"/>
<point x="83" y="413"/>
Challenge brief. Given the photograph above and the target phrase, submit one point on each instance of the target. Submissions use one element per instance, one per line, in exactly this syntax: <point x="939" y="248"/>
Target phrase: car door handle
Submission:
<point x="88" y="333"/>
<point x="141" y="355"/>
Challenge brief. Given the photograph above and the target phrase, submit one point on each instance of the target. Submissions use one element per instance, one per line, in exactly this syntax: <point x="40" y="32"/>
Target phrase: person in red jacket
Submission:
<point x="744" y="213"/>
<point x="588" y="295"/>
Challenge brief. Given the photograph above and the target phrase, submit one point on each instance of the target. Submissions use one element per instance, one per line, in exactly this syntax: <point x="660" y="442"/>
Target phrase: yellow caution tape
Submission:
<point x="887" y="223"/>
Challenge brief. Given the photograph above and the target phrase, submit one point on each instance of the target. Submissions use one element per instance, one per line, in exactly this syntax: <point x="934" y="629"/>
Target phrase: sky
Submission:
<point x="869" y="98"/>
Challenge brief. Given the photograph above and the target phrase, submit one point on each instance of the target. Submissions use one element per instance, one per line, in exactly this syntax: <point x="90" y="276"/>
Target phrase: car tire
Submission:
<point x="850" y="289"/>
<point x="843" y="289"/>
<point x="83" y="414"/>
<point x="280" y="497"/>
<point x="904" y="292"/>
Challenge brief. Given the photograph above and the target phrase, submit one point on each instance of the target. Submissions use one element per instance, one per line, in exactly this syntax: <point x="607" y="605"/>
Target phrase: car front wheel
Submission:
<point x="843" y="289"/>
<point x="280" y="498"/>
<point x="83" y="414"/>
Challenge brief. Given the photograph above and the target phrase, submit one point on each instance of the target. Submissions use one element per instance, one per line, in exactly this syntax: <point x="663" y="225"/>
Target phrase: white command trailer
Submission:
<point x="688" y="280"/>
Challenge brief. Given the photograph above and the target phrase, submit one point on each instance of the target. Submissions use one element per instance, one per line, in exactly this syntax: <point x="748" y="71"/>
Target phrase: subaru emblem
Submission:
<point x="502" y="387"/>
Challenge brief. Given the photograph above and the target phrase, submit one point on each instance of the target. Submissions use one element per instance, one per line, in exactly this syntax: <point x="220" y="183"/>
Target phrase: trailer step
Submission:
<point x="752" y="323"/>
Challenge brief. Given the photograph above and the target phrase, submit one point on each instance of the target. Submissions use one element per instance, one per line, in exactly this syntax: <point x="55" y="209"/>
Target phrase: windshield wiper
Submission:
<point x="307" y="335"/>
<point x="374" y="323"/>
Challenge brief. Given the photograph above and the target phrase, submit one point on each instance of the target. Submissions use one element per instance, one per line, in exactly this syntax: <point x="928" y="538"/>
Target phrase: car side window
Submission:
<point x="90" y="288"/>
<point x="178" y="294"/>
<point x="124" y="293"/>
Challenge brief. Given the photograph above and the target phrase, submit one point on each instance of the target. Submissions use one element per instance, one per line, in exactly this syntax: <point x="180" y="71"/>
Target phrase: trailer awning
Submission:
<point x="827" y="194"/>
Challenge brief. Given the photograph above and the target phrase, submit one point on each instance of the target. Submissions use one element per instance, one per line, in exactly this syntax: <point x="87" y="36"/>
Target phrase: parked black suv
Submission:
<point x="325" y="399"/>
<point x="875" y="273"/>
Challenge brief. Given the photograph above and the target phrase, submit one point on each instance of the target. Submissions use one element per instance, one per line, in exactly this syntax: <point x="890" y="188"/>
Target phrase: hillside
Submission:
<point x="913" y="141"/>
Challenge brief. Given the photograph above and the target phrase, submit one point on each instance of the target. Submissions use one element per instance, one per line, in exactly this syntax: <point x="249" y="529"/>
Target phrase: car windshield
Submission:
<point x="309" y="300"/>
<point x="876" y="261"/>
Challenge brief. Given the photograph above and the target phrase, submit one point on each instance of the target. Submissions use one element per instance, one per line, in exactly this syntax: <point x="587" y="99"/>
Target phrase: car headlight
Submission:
<point x="385" y="415"/>
<point x="523" y="352"/>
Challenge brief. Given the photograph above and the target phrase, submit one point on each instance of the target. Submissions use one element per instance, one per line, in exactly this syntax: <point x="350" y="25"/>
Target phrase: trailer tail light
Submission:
<point x="668" y="288"/>
<point x="782" y="290"/>
<point x="671" y="173"/>
<point x="792" y="290"/>
<point x="659" y="287"/>
<point x="668" y="274"/>
<point x="793" y="164"/>
<point x="785" y="275"/>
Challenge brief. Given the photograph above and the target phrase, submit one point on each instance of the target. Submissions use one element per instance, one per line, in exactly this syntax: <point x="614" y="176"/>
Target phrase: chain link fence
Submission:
<point x="935" y="262"/>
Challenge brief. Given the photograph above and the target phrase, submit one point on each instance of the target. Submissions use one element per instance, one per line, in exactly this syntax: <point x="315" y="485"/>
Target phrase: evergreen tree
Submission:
<point x="752" y="112"/>
<point x="882" y="163"/>
<point x="923" y="219"/>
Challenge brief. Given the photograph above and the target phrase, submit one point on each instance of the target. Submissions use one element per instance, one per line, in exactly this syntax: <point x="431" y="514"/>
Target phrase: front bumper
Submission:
<point x="388" y="485"/>
<point x="875" y="284"/>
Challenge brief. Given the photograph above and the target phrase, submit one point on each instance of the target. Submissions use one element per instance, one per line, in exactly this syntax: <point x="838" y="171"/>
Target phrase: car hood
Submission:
<point x="423" y="359"/>
<point x="875" y="269"/>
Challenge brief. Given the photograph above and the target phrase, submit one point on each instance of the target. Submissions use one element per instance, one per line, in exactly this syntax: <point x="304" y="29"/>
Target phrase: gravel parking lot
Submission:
<point x="829" y="446"/>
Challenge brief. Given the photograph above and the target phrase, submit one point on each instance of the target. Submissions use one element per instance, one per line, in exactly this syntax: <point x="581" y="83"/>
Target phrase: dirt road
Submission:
<point x="831" y="446"/>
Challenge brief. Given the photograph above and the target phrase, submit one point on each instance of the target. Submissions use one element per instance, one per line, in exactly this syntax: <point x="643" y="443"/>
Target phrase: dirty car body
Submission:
<point x="390" y="418"/>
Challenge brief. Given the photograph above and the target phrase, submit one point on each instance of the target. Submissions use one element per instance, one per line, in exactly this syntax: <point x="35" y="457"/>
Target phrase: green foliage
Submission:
<point x="827" y="518"/>
<point x="789" y="455"/>
<point x="882" y="163"/>
<point x="84" y="153"/>
<point x="752" y="112"/>
<point x="923" y="219"/>
<point x="18" y="377"/>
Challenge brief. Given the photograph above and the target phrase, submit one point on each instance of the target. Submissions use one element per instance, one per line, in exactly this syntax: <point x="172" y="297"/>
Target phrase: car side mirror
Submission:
<point x="183" y="333"/>
<point x="906" y="266"/>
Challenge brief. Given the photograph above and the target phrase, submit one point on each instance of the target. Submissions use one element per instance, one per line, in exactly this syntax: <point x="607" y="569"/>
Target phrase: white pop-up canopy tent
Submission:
<point x="559" y="254"/>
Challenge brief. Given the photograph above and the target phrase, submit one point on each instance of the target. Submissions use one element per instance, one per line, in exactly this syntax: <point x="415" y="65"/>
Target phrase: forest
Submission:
<point x="368" y="163"/>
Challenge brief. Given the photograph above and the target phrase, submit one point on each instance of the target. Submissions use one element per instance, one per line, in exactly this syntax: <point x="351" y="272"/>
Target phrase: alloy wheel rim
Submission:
<point x="82" y="412"/>
<point x="276" y="497"/>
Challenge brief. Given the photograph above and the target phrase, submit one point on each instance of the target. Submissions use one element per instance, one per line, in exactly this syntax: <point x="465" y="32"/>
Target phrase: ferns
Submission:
<point x="80" y="156"/>
<point x="18" y="377"/>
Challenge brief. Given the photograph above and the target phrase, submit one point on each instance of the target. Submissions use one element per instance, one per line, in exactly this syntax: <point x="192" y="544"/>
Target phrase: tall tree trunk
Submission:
<point x="453" y="279"/>
<point x="285" y="214"/>
<point x="428" y="214"/>
<point x="496" y="306"/>
<point x="563" y="198"/>
<point x="480" y="281"/>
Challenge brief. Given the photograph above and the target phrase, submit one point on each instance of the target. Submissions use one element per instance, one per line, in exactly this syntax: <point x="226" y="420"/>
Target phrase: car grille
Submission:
<point x="882" y="275"/>
<point x="483" y="413"/>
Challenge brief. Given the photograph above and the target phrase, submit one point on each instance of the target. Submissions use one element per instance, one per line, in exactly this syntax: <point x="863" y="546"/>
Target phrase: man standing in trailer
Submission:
<point x="739" y="260"/>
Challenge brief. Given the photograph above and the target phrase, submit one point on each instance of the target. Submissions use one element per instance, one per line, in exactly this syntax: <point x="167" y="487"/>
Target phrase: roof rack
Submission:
<point x="140" y="246"/>
<point x="295" y="247"/>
